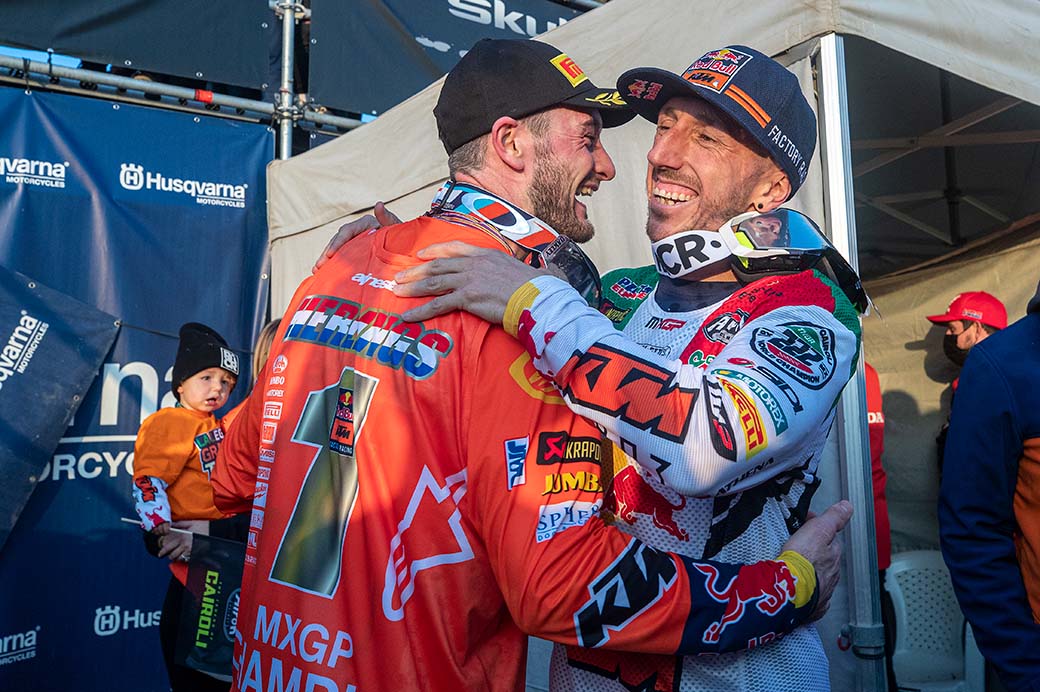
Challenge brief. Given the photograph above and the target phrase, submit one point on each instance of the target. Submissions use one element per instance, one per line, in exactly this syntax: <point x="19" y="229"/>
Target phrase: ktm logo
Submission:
<point x="635" y="391"/>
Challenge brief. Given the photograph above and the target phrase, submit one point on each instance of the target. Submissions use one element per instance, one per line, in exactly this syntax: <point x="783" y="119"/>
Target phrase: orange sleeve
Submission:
<point x="565" y="574"/>
<point x="165" y="443"/>
<point x="234" y="476"/>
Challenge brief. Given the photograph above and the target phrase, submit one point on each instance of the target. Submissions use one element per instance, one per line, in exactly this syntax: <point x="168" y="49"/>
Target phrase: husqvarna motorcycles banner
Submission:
<point x="156" y="218"/>
<point x="51" y="347"/>
<point x="398" y="47"/>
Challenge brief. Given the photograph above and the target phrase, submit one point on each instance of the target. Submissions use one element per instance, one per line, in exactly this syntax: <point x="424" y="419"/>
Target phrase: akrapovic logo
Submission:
<point x="134" y="177"/>
<point x="33" y="172"/>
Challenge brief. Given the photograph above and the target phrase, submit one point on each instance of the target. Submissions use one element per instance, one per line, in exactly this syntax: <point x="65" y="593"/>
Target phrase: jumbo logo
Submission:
<point x="569" y="69"/>
<point x="585" y="481"/>
<point x="534" y="384"/>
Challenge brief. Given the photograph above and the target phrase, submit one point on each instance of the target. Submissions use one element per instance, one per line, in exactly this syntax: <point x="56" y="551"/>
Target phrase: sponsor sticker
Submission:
<point x="280" y="364"/>
<point x="586" y="481"/>
<point x="208" y="443"/>
<point x="630" y="290"/>
<point x="723" y="328"/>
<point x="516" y="464"/>
<point x="715" y="69"/>
<point x="560" y="516"/>
<point x="533" y="383"/>
<point x="801" y="350"/>
<point x="642" y="89"/>
<point x="721" y="432"/>
<point x="273" y="410"/>
<point x="561" y="448"/>
<point x="268" y="431"/>
<point x="755" y="438"/>
<point x="776" y="411"/>
<point x="341" y="436"/>
<point x="569" y="69"/>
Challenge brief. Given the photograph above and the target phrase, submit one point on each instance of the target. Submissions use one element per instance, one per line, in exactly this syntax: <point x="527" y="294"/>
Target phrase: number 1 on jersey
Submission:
<point x="309" y="557"/>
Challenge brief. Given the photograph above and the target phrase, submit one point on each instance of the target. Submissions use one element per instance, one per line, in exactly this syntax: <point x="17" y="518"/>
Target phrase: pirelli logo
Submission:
<point x="569" y="69"/>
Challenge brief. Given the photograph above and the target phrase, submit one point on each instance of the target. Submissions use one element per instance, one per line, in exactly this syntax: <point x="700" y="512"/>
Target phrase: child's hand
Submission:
<point x="161" y="529"/>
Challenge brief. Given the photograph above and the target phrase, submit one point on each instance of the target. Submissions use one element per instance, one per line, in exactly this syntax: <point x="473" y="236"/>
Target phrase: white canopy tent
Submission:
<point x="398" y="159"/>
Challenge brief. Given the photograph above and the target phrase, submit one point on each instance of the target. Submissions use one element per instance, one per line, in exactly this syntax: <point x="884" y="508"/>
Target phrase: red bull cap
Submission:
<point x="757" y="92"/>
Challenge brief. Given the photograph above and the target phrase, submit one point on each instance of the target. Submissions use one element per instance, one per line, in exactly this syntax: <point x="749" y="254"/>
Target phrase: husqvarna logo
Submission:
<point x="134" y="177"/>
<point x="131" y="176"/>
<point x="34" y="172"/>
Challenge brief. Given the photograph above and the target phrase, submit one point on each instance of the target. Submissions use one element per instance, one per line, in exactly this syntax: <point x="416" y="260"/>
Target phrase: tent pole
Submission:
<point x="864" y="631"/>
<point x="285" y="110"/>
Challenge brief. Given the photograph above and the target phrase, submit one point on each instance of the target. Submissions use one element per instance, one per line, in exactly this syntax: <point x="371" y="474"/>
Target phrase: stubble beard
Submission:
<point x="549" y="200"/>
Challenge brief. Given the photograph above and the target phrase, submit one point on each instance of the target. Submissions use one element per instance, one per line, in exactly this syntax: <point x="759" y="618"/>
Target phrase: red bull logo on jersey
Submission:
<point x="378" y="335"/>
<point x="768" y="586"/>
<point x="632" y="495"/>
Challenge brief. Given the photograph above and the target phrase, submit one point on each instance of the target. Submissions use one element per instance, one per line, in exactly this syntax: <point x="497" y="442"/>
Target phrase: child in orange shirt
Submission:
<point x="173" y="457"/>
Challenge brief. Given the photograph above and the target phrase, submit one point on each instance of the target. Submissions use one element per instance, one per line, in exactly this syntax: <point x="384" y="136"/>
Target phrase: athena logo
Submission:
<point x="131" y="176"/>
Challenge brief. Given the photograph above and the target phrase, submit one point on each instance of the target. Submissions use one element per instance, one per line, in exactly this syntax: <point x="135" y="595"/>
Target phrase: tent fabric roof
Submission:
<point x="991" y="43"/>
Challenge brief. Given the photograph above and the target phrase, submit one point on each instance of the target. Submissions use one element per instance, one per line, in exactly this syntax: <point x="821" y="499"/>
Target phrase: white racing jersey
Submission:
<point x="721" y="398"/>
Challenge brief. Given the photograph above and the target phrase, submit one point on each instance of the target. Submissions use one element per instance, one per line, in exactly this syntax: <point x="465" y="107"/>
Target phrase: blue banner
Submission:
<point x="51" y="347"/>
<point x="157" y="218"/>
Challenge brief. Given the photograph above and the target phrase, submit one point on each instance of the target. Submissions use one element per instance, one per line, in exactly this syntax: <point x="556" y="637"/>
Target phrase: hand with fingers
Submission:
<point x="816" y="542"/>
<point x="176" y="545"/>
<point x="381" y="216"/>
<point x="463" y="277"/>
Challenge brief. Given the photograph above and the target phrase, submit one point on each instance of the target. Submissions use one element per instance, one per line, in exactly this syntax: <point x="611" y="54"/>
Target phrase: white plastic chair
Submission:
<point x="934" y="650"/>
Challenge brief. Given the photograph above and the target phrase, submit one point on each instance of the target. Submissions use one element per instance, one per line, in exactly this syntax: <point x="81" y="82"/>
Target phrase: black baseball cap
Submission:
<point x="757" y="92"/>
<point x="515" y="77"/>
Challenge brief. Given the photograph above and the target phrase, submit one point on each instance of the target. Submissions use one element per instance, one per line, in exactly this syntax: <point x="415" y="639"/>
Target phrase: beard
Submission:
<point x="710" y="214"/>
<point x="550" y="202"/>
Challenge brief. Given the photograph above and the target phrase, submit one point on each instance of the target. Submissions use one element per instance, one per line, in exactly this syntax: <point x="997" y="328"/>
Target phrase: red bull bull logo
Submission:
<point x="633" y="495"/>
<point x="769" y="586"/>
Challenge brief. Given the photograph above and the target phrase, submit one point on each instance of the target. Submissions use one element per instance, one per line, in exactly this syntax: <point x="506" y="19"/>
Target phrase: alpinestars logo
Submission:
<point x="33" y="172"/>
<point x="134" y="177"/>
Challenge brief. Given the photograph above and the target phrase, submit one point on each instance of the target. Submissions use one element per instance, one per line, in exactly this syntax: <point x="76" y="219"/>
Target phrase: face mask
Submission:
<point x="955" y="353"/>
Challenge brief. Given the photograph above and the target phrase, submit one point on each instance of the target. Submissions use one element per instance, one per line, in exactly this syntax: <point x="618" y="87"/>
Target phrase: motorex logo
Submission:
<point x="18" y="171"/>
<point x="135" y="177"/>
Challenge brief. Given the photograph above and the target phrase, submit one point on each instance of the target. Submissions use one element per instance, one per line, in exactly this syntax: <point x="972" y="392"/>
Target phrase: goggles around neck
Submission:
<point x="468" y="205"/>
<point x="782" y="241"/>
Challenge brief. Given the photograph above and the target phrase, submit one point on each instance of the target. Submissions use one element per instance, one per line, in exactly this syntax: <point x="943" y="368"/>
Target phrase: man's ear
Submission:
<point x="507" y="142"/>
<point x="772" y="190"/>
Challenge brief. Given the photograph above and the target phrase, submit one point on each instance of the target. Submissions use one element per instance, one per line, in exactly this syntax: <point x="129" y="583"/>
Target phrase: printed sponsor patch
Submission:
<point x="630" y="290"/>
<point x="700" y="359"/>
<point x="776" y="411"/>
<point x="263" y="473"/>
<point x="769" y="586"/>
<point x="642" y="89"/>
<point x="516" y="461"/>
<point x="533" y="383"/>
<point x="378" y="335"/>
<point x="755" y="438"/>
<point x="268" y="431"/>
<point x="560" y="516"/>
<point x="273" y="410"/>
<point x="665" y="324"/>
<point x="714" y="70"/>
<point x="341" y="436"/>
<point x="569" y="69"/>
<point x="561" y="448"/>
<point x="723" y="328"/>
<point x="613" y="312"/>
<point x="637" y="392"/>
<point x="801" y="350"/>
<point x="260" y="494"/>
<point x="280" y="364"/>
<point x="634" y="495"/>
<point x="633" y="582"/>
<point x="718" y="423"/>
<point x="208" y="443"/>
<point x="586" y="481"/>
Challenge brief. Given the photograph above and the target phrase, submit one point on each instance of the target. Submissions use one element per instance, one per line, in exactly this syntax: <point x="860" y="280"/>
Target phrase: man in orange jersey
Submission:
<point x="421" y="496"/>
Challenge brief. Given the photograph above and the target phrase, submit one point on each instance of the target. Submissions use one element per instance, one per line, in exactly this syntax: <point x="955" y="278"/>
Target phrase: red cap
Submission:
<point x="974" y="306"/>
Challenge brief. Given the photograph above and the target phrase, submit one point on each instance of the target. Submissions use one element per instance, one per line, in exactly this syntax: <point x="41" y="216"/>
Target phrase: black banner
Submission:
<point x="210" y="609"/>
<point x="51" y="347"/>
<point x="369" y="55"/>
<point x="227" y="42"/>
